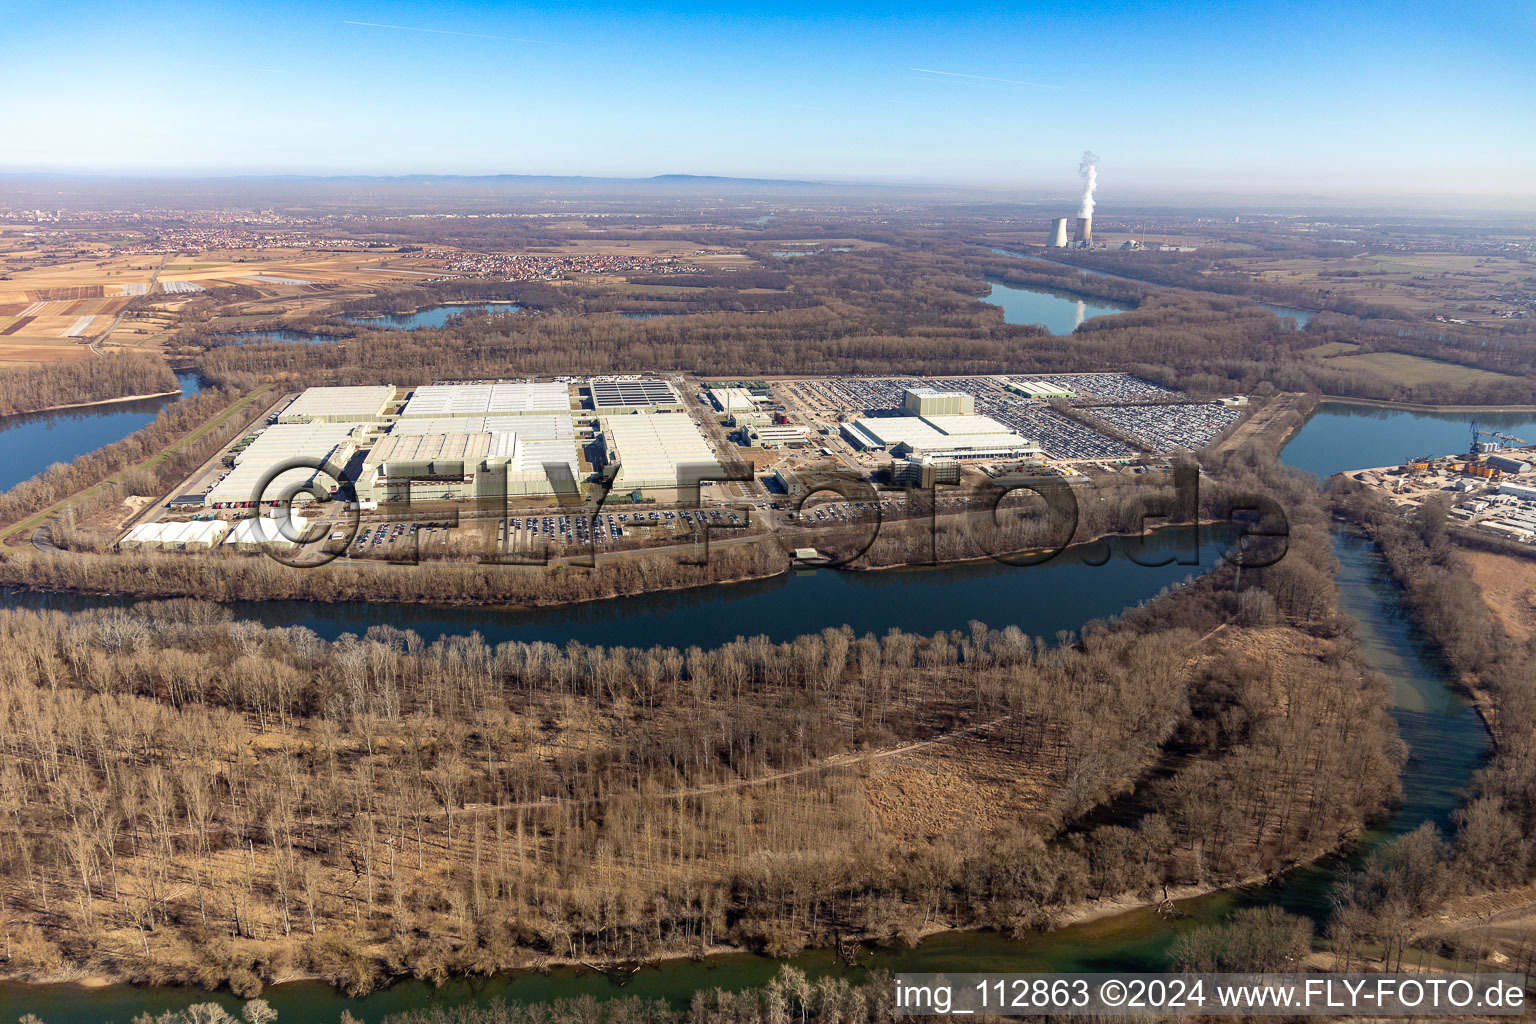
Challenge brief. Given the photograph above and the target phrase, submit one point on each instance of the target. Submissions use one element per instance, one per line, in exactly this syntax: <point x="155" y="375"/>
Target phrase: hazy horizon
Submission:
<point x="1377" y="100"/>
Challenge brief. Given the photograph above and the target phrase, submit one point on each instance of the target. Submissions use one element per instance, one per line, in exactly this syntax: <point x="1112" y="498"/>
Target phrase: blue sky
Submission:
<point x="1341" y="97"/>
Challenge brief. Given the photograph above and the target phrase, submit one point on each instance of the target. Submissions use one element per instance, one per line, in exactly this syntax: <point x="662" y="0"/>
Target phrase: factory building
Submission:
<point x="731" y="400"/>
<point x="925" y="471"/>
<point x="327" y="442"/>
<point x="1039" y="389"/>
<point x="551" y="426"/>
<point x="933" y="402"/>
<point x="1057" y="239"/>
<point x="750" y="419"/>
<point x="339" y="405"/>
<point x="946" y="437"/>
<point x="504" y="398"/>
<point x="656" y="452"/>
<point x="774" y="435"/>
<point x="421" y="465"/>
<point x="613" y="395"/>
<point x="544" y="443"/>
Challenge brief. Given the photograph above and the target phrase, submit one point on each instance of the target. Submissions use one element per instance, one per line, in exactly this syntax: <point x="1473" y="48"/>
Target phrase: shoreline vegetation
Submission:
<point x="87" y="405"/>
<point x="115" y="377"/>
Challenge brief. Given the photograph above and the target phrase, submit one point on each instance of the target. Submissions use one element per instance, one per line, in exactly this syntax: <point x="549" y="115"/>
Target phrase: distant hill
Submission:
<point x="538" y="179"/>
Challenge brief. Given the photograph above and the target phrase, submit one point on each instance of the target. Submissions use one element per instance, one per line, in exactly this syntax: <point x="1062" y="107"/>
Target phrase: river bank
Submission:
<point x="1382" y="403"/>
<point x="89" y="405"/>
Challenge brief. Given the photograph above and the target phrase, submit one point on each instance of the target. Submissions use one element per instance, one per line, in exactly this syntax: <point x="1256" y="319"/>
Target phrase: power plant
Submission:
<point x="1082" y="234"/>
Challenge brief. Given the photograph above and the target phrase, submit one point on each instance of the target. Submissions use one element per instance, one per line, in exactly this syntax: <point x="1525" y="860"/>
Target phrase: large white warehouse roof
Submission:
<point x="539" y="426"/>
<point x="957" y="436"/>
<point x="506" y="398"/>
<point x="327" y="442"/>
<point x="657" y="450"/>
<point x="355" y="404"/>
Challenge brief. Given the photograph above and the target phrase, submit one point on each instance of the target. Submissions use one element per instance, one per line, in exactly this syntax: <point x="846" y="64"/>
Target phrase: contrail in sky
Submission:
<point x="438" y="31"/>
<point x="985" y="78"/>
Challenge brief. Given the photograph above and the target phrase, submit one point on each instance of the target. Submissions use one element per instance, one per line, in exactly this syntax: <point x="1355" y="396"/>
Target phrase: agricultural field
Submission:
<point x="1411" y="371"/>
<point x="1465" y="287"/>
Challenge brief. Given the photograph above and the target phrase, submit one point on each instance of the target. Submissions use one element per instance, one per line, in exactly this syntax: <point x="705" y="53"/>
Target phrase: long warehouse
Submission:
<point x="329" y="443"/>
<point x="339" y="405"/>
<point x="658" y="451"/>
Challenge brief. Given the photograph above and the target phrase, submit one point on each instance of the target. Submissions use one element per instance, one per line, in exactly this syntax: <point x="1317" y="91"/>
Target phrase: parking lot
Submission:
<point x="1169" y="428"/>
<point x="1104" y="388"/>
<point x="608" y="529"/>
<point x="1061" y="438"/>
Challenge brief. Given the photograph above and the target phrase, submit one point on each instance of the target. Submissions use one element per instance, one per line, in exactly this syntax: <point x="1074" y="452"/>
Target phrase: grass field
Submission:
<point x="1411" y="371"/>
<point x="1332" y="348"/>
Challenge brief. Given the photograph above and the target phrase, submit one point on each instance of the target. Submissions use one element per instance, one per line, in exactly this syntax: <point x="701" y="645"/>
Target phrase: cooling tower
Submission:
<point x="1058" y="236"/>
<point x="1084" y="233"/>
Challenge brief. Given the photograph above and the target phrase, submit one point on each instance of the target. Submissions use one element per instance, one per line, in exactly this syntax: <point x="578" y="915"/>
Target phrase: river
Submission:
<point x="1446" y="741"/>
<point x="32" y="442"/>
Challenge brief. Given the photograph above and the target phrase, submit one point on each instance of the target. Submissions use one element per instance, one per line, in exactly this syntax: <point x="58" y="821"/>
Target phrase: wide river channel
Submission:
<point x="1445" y="739"/>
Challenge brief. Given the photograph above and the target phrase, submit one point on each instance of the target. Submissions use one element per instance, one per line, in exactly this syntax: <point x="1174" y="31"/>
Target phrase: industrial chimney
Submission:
<point x="1083" y="236"/>
<point x="1058" y="236"/>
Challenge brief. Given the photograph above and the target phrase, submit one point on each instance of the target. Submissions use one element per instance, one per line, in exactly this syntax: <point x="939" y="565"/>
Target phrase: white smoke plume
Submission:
<point x="1088" y="168"/>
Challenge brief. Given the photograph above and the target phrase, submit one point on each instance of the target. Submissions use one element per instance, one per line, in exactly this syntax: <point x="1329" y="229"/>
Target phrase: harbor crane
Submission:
<point x="1508" y="439"/>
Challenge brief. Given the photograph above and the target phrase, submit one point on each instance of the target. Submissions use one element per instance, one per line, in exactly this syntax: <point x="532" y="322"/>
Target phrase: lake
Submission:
<point x="1059" y="312"/>
<point x="429" y="316"/>
<point x="1344" y="436"/>
<point x="32" y="442"/>
<point x="1300" y="316"/>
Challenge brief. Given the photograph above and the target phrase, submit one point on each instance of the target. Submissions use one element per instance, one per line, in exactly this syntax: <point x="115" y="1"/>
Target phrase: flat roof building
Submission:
<point x="504" y="398"/>
<point x="733" y="399"/>
<point x="419" y="465"/>
<point x="775" y="436"/>
<point x="364" y="404"/>
<point x="954" y="437"/>
<point x="658" y="451"/>
<point x="633" y="394"/>
<point x="543" y="426"/>
<point x="925" y="471"/>
<point x="1039" y="389"/>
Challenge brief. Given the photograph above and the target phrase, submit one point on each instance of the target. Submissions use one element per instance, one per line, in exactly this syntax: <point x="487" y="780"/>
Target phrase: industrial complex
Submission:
<point x="548" y="445"/>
